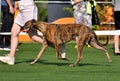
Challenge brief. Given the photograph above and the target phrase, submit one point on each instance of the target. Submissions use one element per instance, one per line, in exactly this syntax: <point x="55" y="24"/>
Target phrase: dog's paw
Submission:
<point x="32" y="62"/>
<point x="110" y="60"/>
<point x="72" y="65"/>
<point x="65" y="59"/>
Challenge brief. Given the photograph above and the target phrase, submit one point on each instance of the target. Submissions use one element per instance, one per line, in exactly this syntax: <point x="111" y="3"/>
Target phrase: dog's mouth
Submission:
<point x="26" y="30"/>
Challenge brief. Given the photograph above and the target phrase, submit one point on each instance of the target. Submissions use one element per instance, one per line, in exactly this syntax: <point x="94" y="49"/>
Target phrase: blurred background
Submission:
<point x="53" y="10"/>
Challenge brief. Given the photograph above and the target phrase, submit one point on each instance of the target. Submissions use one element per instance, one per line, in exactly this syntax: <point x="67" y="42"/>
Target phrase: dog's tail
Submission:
<point x="99" y="43"/>
<point x="106" y="43"/>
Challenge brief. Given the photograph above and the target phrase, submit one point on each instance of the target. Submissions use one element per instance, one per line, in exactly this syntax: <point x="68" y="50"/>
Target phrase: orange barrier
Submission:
<point x="66" y="20"/>
<point x="24" y="38"/>
<point x="16" y="13"/>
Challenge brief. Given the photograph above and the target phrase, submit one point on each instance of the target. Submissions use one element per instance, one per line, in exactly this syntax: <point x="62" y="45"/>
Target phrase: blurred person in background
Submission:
<point x="83" y="12"/>
<point x="7" y="8"/>
<point x="116" y="4"/>
<point x="27" y="11"/>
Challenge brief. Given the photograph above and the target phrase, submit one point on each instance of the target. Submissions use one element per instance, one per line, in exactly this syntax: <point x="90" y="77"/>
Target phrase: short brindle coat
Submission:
<point x="57" y="34"/>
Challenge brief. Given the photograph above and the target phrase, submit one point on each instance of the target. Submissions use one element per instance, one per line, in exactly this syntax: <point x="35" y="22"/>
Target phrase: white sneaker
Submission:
<point x="7" y="59"/>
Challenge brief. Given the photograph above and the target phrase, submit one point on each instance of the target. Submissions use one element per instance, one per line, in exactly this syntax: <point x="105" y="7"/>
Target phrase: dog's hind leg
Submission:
<point x="57" y="48"/>
<point x="95" y="45"/>
<point x="59" y="52"/>
<point x="62" y="52"/>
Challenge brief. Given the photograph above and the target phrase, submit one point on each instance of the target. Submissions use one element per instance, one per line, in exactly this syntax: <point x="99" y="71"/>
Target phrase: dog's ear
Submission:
<point x="33" y="20"/>
<point x="34" y="24"/>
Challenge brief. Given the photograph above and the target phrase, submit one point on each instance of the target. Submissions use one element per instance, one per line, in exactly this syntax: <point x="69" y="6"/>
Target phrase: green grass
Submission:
<point x="93" y="67"/>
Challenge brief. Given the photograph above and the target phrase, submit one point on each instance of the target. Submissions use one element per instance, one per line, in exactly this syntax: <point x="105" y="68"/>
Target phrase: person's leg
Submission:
<point x="78" y="15"/>
<point x="116" y="44"/>
<point x="33" y="34"/>
<point x="87" y="20"/>
<point x="116" y="37"/>
<point x="37" y="39"/>
<point x="9" y="59"/>
<point x="14" y="39"/>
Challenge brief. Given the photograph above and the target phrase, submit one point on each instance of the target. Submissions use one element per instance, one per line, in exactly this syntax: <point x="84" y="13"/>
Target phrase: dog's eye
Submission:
<point x="26" y="27"/>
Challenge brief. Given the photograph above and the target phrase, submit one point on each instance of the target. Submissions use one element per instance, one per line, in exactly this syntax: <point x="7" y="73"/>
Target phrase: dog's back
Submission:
<point x="62" y="33"/>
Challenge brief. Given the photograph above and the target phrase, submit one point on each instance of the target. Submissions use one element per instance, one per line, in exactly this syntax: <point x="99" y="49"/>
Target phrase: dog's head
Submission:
<point x="34" y="24"/>
<point x="29" y="24"/>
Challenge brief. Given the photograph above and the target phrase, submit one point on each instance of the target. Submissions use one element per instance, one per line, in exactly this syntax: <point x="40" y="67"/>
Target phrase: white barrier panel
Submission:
<point x="108" y="32"/>
<point x="21" y="33"/>
<point x="102" y="32"/>
<point x="66" y="2"/>
<point x="5" y="33"/>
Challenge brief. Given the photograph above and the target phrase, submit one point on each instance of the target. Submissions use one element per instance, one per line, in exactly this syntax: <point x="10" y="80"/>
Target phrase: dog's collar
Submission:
<point x="41" y="32"/>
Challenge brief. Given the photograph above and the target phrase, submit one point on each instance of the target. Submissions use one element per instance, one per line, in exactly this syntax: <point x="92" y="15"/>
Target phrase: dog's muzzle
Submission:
<point x="26" y="30"/>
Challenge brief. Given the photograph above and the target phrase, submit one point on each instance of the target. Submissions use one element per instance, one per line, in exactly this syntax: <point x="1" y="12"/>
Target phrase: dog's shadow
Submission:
<point x="93" y="64"/>
<point x="45" y="62"/>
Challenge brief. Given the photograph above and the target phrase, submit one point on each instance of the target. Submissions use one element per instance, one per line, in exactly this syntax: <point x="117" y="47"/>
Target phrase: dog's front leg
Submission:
<point x="57" y="48"/>
<point x="44" y="46"/>
<point x="39" y="55"/>
<point x="60" y="52"/>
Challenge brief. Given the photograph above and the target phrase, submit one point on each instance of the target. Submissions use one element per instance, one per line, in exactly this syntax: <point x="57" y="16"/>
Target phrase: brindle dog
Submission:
<point x="58" y="34"/>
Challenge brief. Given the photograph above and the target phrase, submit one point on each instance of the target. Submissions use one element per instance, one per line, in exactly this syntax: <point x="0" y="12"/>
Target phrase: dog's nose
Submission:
<point x="25" y="30"/>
